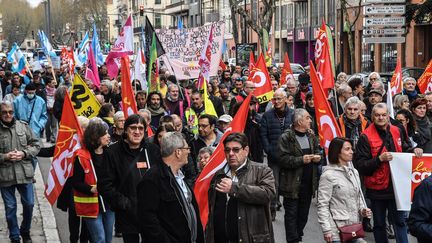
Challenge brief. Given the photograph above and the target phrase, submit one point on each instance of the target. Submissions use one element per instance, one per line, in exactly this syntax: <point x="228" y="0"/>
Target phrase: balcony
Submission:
<point x="176" y="8"/>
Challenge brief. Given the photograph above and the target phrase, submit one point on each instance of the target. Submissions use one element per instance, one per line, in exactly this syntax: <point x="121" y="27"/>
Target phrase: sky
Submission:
<point x="34" y="3"/>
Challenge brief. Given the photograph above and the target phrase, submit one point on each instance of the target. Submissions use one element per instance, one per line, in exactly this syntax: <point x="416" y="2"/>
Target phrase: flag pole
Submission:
<point x="52" y="69"/>
<point x="28" y="68"/>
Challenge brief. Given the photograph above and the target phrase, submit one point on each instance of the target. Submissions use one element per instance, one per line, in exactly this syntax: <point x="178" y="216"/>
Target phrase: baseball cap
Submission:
<point x="225" y="118"/>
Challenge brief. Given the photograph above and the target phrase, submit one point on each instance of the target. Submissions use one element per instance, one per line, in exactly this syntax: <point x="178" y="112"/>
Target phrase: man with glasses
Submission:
<point x="18" y="147"/>
<point x="248" y="87"/>
<point x="208" y="135"/>
<point x="126" y="162"/>
<point x="239" y="197"/>
<point x="273" y="123"/>
<point x="167" y="207"/>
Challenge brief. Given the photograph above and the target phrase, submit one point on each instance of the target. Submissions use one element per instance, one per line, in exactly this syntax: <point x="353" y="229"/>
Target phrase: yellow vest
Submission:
<point x="192" y="118"/>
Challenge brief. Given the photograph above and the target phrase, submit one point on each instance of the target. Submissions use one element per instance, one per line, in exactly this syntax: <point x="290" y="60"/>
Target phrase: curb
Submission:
<point x="49" y="224"/>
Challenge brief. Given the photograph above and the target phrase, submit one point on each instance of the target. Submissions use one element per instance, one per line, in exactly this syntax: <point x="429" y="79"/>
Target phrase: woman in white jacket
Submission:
<point x="340" y="199"/>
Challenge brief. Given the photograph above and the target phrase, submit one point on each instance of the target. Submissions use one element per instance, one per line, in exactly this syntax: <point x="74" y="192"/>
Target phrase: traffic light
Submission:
<point x="142" y="10"/>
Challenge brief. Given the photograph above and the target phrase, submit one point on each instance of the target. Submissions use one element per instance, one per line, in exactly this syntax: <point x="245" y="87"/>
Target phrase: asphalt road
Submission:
<point x="312" y="231"/>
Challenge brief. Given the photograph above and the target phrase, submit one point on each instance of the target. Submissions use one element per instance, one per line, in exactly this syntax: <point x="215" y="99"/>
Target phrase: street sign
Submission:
<point x="384" y="21"/>
<point x="369" y="40"/>
<point x="368" y="32"/>
<point x="388" y="9"/>
<point x="384" y="1"/>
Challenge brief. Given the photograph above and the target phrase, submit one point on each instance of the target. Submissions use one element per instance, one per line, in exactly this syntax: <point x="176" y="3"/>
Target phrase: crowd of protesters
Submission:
<point x="133" y="178"/>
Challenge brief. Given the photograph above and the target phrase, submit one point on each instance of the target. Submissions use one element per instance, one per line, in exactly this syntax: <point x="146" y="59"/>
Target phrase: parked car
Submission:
<point x="414" y="72"/>
<point x="295" y="67"/>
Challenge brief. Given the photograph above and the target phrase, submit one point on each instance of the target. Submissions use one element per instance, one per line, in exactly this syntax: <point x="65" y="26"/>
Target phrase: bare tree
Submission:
<point x="17" y="20"/>
<point x="234" y="20"/>
<point x="350" y="27"/>
<point x="264" y="22"/>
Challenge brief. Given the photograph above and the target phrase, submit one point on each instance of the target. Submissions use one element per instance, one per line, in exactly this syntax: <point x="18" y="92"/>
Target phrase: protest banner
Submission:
<point x="407" y="173"/>
<point x="83" y="100"/>
<point x="183" y="48"/>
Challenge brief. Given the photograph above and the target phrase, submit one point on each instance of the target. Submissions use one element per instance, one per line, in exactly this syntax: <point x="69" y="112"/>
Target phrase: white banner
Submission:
<point x="407" y="172"/>
<point x="183" y="48"/>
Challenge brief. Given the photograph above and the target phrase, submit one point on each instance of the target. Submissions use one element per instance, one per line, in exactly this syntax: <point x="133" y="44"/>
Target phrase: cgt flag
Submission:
<point x="205" y="60"/>
<point x="425" y="81"/>
<point x="322" y="59"/>
<point x="217" y="161"/>
<point x="260" y="76"/>
<point x="326" y="122"/>
<point x="128" y="99"/>
<point x="407" y="172"/>
<point x="83" y="100"/>
<point x="287" y="73"/>
<point x="396" y="80"/>
<point x="68" y="142"/>
<point x="251" y="61"/>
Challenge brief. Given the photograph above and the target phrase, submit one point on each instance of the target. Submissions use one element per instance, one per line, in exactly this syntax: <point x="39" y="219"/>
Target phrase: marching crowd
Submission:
<point x="134" y="177"/>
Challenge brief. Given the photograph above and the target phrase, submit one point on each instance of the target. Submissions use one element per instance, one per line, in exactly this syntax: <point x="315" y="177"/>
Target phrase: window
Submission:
<point x="331" y="12"/>
<point x="158" y="21"/>
<point x="301" y="14"/>
<point x="157" y="1"/>
<point x="290" y="16"/>
<point x="315" y="12"/>
<point x="277" y="18"/>
<point x="284" y="17"/>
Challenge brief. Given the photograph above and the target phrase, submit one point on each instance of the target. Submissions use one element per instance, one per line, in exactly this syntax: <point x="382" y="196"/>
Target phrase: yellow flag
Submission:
<point x="208" y="104"/>
<point x="83" y="100"/>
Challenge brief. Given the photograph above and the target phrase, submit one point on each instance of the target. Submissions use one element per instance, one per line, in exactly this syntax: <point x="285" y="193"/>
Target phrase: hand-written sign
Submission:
<point x="183" y="48"/>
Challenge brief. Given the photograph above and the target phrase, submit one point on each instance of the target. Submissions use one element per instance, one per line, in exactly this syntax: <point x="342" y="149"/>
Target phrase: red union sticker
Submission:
<point x="421" y="169"/>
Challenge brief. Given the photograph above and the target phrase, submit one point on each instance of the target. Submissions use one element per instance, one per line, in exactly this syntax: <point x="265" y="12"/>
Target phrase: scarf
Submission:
<point x="354" y="127"/>
<point x="411" y="95"/>
<point x="50" y="91"/>
<point x="156" y="112"/>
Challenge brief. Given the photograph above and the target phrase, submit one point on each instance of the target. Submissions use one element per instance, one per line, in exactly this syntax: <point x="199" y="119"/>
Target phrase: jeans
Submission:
<point x="101" y="228"/>
<point x="379" y="212"/>
<point x="27" y="200"/>
<point x="296" y="214"/>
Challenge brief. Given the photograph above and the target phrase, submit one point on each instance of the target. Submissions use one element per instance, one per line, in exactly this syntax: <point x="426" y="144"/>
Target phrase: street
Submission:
<point x="312" y="231"/>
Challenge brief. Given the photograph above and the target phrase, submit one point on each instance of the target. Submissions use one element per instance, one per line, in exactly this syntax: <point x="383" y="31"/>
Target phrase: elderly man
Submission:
<point x="409" y="88"/>
<point x="239" y="197"/>
<point x="344" y="92"/>
<point x="18" y="146"/>
<point x="248" y="87"/>
<point x="167" y="208"/>
<point x="116" y="131"/>
<point x="373" y="77"/>
<point x="351" y="122"/>
<point x="371" y="159"/>
<point x="172" y="102"/>
<point x="292" y="87"/>
<point x="273" y="123"/>
<point x="299" y="159"/>
<point x="106" y="89"/>
<point x="375" y="97"/>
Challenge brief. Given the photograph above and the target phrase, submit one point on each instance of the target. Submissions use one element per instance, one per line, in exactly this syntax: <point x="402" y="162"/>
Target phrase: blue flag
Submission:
<point x="96" y="47"/>
<point x="179" y="23"/>
<point x="82" y="50"/>
<point x="46" y="45"/>
<point x="17" y="59"/>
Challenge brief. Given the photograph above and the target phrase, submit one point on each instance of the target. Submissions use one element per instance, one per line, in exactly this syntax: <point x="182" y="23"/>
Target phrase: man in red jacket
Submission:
<point x="372" y="156"/>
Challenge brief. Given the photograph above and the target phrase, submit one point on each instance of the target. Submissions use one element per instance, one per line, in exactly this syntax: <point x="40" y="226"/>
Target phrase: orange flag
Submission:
<point x="322" y="59"/>
<point x="326" y="122"/>
<point x="260" y="76"/>
<point x="251" y="61"/>
<point x="396" y="80"/>
<point x="68" y="141"/>
<point x="287" y="73"/>
<point x="128" y="98"/>
<point x="425" y="81"/>
<point x="217" y="161"/>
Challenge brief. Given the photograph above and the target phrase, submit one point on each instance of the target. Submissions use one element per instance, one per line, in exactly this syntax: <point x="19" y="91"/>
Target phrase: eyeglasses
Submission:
<point x="250" y="87"/>
<point x="7" y="112"/>
<point x="139" y="128"/>
<point x="187" y="148"/>
<point x="203" y="125"/>
<point x="235" y="150"/>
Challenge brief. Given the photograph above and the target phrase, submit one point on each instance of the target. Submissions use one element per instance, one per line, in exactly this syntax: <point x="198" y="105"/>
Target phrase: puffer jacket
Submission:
<point x="37" y="118"/>
<point x="271" y="129"/>
<point x="339" y="198"/>
<point x="254" y="191"/>
<point x="291" y="163"/>
<point x="18" y="137"/>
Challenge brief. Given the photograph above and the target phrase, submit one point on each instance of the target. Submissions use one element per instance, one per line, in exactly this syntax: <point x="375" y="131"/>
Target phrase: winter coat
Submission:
<point x="339" y="198"/>
<point x="18" y="137"/>
<point x="420" y="218"/>
<point x="291" y="163"/>
<point x="118" y="181"/>
<point x="33" y="111"/>
<point x="254" y="191"/>
<point x="271" y="129"/>
<point x="161" y="209"/>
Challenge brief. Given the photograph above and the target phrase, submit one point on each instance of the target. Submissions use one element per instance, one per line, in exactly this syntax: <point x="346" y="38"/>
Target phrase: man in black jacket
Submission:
<point x="167" y="208"/>
<point x="126" y="162"/>
<point x="420" y="218"/>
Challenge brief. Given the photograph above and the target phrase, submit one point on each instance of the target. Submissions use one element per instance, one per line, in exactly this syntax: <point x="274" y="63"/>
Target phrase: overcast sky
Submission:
<point x="34" y="3"/>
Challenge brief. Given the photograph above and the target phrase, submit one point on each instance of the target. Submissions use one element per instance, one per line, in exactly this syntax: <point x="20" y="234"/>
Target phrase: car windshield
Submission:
<point x="297" y="69"/>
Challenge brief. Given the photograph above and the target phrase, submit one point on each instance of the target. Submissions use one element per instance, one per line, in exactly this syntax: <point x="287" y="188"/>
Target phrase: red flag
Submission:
<point x="222" y="65"/>
<point x="149" y="132"/>
<point x="322" y="59"/>
<point x="396" y="80"/>
<point x="260" y="76"/>
<point x="92" y="72"/>
<point x="68" y="141"/>
<point x="205" y="61"/>
<point x="425" y="81"/>
<point x="128" y="98"/>
<point x="287" y="73"/>
<point x="217" y="161"/>
<point x="251" y="61"/>
<point x="326" y="122"/>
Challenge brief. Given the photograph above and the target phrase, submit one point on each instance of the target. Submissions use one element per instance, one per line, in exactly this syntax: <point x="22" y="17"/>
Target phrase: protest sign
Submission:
<point x="183" y="48"/>
<point x="407" y="173"/>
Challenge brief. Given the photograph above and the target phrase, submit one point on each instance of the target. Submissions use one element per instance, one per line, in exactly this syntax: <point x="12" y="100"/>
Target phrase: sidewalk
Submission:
<point x="44" y="227"/>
